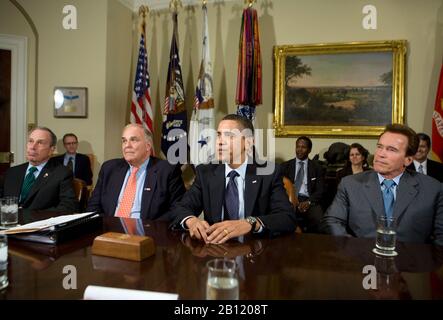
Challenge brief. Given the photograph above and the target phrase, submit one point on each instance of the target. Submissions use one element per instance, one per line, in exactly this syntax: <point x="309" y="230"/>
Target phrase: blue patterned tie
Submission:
<point x="388" y="197"/>
<point x="231" y="197"/>
<point x="27" y="184"/>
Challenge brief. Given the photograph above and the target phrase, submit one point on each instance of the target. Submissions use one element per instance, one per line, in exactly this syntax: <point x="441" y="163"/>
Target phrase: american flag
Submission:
<point x="141" y="108"/>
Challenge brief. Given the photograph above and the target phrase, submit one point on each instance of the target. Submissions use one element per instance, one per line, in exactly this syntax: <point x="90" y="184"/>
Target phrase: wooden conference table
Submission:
<point x="296" y="266"/>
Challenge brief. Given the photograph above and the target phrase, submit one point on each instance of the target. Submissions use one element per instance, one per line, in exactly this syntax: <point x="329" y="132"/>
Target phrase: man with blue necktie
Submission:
<point x="41" y="184"/>
<point x="421" y="162"/>
<point x="414" y="200"/>
<point x="237" y="196"/>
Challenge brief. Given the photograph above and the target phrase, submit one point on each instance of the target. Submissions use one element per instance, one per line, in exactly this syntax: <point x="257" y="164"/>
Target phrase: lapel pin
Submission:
<point x="46" y="174"/>
<point x="147" y="189"/>
<point x="254" y="181"/>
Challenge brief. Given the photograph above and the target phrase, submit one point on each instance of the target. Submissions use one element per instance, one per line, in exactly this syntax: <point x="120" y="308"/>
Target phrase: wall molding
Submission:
<point x="18" y="45"/>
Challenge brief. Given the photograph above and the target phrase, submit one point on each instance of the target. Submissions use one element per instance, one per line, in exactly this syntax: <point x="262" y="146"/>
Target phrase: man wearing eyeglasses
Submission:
<point x="77" y="162"/>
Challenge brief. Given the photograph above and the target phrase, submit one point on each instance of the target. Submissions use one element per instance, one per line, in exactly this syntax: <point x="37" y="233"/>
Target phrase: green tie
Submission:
<point x="27" y="184"/>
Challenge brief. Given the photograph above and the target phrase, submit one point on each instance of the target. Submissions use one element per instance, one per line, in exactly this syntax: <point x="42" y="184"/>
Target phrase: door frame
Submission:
<point x="18" y="45"/>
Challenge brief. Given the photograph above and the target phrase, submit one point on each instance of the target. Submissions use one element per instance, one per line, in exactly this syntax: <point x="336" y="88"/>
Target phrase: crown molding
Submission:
<point x="128" y="4"/>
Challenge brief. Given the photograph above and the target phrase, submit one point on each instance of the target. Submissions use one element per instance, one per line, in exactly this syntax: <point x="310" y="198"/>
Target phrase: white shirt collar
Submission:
<point x="424" y="164"/>
<point x="240" y="170"/>
<point x="304" y="161"/>
<point x="396" y="179"/>
<point x="39" y="167"/>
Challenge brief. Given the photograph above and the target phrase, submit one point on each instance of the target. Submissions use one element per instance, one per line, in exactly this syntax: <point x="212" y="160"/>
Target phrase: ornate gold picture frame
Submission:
<point x="339" y="89"/>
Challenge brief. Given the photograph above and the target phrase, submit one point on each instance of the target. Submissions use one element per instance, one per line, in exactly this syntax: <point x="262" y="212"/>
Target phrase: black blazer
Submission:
<point x="265" y="197"/>
<point x="82" y="168"/>
<point x="434" y="169"/>
<point x="162" y="188"/>
<point x="316" y="180"/>
<point x="51" y="191"/>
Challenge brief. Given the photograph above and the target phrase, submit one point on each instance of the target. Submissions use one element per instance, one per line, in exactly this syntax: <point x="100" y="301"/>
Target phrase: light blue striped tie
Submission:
<point x="388" y="197"/>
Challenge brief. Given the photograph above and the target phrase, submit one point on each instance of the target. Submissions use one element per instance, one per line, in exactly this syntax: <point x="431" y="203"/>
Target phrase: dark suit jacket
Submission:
<point x="162" y="188"/>
<point x="51" y="191"/>
<point x="434" y="169"/>
<point x="418" y="208"/>
<point x="265" y="197"/>
<point x="82" y="168"/>
<point x="316" y="180"/>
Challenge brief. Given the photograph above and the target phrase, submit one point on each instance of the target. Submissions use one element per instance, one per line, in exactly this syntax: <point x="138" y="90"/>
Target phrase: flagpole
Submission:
<point x="174" y="5"/>
<point x="142" y="14"/>
<point x="250" y="2"/>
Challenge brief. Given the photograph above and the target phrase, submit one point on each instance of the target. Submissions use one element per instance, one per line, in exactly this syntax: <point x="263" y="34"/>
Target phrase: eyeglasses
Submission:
<point x="70" y="143"/>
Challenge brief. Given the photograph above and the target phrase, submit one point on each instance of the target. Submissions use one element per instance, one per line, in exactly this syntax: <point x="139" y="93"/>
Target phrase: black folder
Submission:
<point x="63" y="232"/>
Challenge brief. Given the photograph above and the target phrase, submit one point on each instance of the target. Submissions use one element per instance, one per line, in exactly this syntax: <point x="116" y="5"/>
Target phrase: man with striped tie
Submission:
<point x="41" y="184"/>
<point x="421" y="162"/>
<point x="413" y="199"/>
<point x="138" y="185"/>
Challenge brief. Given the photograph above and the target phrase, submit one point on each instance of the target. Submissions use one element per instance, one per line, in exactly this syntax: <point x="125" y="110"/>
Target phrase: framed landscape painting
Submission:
<point x="339" y="89"/>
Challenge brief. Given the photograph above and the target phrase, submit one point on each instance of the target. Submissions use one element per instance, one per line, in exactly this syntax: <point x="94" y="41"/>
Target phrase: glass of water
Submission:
<point x="3" y="261"/>
<point x="222" y="283"/>
<point x="8" y="211"/>
<point x="386" y="236"/>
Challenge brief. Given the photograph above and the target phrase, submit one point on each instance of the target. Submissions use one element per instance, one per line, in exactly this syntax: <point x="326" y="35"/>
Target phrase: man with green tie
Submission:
<point x="41" y="184"/>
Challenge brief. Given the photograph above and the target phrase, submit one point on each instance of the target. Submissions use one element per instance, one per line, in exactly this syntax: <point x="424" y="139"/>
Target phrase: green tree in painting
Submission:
<point x="295" y="68"/>
<point x="386" y="78"/>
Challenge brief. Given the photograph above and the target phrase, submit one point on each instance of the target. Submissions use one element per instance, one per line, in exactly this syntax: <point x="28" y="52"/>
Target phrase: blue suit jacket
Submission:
<point x="162" y="188"/>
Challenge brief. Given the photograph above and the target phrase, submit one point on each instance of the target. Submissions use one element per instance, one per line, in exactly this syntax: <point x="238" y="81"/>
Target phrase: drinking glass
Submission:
<point x="386" y="236"/>
<point x="222" y="282"/>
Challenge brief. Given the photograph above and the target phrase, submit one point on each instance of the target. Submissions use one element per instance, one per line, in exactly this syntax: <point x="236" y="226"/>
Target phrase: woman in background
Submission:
<point x="357" y="161"/>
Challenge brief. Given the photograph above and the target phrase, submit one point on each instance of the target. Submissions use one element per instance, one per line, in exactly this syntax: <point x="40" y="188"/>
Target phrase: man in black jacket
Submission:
<point x="237" y="196"/>
<point x="421" y="162"/>
<point x="79" y="163"/>
<point x="41" y="184"/>
<point x="308" y="178"/>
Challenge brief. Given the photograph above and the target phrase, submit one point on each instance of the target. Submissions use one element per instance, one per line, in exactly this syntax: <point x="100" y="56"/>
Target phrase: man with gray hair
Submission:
<point x="41" y="184"/>
<point x="137" y="185"/>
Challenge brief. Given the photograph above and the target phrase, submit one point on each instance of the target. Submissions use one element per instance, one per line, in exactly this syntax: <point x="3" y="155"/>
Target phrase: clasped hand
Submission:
<point x="219" y="232"/>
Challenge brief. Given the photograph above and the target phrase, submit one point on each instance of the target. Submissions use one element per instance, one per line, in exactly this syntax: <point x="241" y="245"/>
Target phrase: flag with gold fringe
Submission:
<point x="201" y="128"/>
<point x="437" y="122"/>
<point x="249" y="75"/>
<point x="175" y="126"/>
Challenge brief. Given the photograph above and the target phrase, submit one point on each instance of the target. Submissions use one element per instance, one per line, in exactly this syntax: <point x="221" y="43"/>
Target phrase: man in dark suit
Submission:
<point x="41" y="184"/>
<point x="79" y="163"/>
<point x="416" y="201"/>
<point x="139" y="185"/>
<point x="421" y="162"/>
<point x="236" y="196"/>
<point x="309" y="183"/>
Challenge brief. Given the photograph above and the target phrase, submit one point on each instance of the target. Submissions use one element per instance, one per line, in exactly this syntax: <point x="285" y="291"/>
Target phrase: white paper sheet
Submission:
<point x="107" y="293"/>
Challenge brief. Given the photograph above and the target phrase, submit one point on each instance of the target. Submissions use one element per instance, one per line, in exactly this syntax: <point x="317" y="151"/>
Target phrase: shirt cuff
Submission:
<point x="261" y="229"/>
<point x="182" y="223"/>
